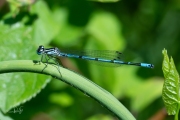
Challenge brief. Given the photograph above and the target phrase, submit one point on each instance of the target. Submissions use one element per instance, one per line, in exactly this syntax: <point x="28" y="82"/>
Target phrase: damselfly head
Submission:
<point x="40" y="50"/>
<point x="151" y="65"/>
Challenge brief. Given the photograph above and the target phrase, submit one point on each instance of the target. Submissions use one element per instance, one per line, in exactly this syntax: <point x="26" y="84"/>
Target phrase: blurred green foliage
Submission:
<point x="140" y="29"/>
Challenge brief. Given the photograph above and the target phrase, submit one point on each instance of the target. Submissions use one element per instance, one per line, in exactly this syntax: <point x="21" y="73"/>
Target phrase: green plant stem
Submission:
<point x="177" y="112"/>
<point x="79" y="82"/>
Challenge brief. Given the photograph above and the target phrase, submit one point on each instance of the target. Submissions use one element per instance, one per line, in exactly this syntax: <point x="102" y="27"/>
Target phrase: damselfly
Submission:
<point x="110" y="58"/>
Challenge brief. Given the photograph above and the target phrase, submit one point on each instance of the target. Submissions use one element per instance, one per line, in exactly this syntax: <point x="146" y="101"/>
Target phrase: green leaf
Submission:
<point x="170" y="93"/>
<point x="104" y="26"/>
<point x="62" y="99"/>
<point x="15" y="5"/>
<point x="45" y="28"/>
<point x="68" y="34"/>
<point x="16" y="88"/>
<point x="152" y="87"/>
<point x="166" y="65"/>
<point x="2" y="117"/>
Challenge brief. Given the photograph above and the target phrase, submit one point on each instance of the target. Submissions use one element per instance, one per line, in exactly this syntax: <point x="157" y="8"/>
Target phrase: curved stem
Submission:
<point x="79" y="82"/>
<point x="177" y="112"/>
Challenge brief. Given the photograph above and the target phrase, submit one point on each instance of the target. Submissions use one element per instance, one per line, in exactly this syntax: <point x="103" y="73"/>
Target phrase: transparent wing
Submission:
<point x="104" y="54"/>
